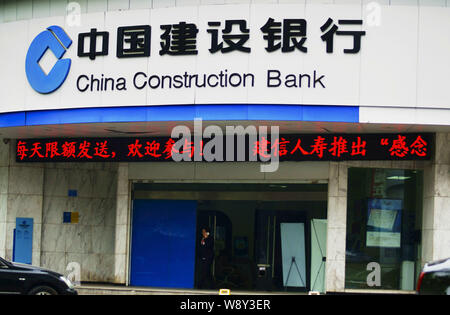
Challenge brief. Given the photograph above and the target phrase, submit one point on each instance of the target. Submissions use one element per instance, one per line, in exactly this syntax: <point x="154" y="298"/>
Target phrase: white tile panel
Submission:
<point x="412" y="116"/>
<point x="1" y="11"/>
<point x="9" y="11"/>
<point x="58" y="7"/>
<point x="436" y="116"/>
<point x="97" y="5"/>
<point x="124" y="67"/>
<point x="405" y="2"/>
<point x="232" y="62"/>
<point x="163" y="4"/>
<point x="314" y="2"/>
<point x="261" y="61"/>
<point x="435" y="3"/>
<point x="211" y="2"/>
<point x="140" y="4"/>
<point x="237" y="1"/>
<point x="24" y="9"/>
<point x="183" y="3"/>
<point x="13" y="64"/>
<point x="341" y="71"/>
<point x="387" y="115"/>
<point x="118" y="5"/>
<point x="83" y="5"/>
<point x="291" y="1"/>
<point x="179" y="64"/>
<point x="434" y="61"/>
<point x="381" y="2"/>
<point x="393" y="50"/>
<point x="82" y="65"/>
<point x="41" y="8"/>
<point x="352" y="2"/>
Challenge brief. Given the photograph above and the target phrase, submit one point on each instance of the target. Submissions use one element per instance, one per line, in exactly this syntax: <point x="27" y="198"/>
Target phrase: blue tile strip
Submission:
<point x="216" y="112"/>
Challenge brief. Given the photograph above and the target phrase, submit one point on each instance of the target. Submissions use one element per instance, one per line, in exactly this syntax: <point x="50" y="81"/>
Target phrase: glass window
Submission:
<point x="384" y="219"/>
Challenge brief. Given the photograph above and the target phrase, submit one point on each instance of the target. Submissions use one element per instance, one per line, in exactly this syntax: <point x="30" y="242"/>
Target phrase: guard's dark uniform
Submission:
<point x="206" y="253"/>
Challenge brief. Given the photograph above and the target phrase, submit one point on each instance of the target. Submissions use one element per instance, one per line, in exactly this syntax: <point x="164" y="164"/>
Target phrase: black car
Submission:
<point x="435" y="278"/>
<point x="18" y="278"/>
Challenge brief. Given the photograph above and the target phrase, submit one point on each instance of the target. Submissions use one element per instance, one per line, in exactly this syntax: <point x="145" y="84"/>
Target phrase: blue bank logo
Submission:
<point x="56" y="40"/>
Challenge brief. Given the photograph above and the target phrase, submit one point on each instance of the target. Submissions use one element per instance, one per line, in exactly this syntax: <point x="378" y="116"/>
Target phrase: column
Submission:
<point x="336" y="227"/>
<point x="122" y="225"/>
<point x="4" y="176"/>
<point x="24" y="198"/>
<point x="436" y="203"/>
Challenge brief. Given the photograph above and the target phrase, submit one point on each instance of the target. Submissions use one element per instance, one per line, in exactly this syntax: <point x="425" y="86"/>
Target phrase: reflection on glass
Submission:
<point x="383" y="227"/>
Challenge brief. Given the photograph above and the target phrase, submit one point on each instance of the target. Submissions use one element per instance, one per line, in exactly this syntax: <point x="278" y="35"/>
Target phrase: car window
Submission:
<point x="2" y="265"/>
<point x="436" y="283"/>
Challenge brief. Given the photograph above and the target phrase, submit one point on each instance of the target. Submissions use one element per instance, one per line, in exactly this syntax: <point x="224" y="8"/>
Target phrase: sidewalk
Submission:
<point x="104" y="289"/>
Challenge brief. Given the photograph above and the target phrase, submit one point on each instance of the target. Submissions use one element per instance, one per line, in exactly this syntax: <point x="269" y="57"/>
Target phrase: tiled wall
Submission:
<point x="11" y="10"/>
<point x="22" y="187"/>
<point x="4" y="176"/>
<point x="436" y="218"/>
<point x="41" y="191"/>
<point x="90" y="242"/>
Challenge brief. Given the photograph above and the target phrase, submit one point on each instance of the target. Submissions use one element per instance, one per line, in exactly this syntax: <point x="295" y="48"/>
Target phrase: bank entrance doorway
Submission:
<point x="267" y="237"/>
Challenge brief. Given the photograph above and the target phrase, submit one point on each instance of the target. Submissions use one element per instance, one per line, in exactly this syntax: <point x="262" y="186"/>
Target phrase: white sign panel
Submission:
<point x="231" y="54"/>
<point x="293" y="254"/>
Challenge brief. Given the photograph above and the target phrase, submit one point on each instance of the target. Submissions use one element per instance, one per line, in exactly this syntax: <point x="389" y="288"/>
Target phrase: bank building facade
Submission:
<point x="312" y="138"/>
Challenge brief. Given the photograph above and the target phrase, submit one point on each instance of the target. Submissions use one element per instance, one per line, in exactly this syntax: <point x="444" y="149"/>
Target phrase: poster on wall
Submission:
<point x="384" y="223"/>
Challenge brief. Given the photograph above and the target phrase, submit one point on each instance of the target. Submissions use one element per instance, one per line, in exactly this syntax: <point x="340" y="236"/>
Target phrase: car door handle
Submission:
<point x="22" y="279"/>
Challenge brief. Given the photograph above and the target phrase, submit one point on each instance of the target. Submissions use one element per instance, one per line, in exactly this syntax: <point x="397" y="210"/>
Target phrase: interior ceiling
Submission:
<point x="154" y="129"/>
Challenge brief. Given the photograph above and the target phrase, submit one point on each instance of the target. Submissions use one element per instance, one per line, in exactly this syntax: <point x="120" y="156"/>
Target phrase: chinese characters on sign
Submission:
<point x="230" y="35"/>
<point x="324" y="147"/>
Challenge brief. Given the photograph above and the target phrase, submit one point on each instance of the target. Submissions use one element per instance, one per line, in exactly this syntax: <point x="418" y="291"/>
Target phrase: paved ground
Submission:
<point x="100" y="289"/>
<point x="94" y="289"/>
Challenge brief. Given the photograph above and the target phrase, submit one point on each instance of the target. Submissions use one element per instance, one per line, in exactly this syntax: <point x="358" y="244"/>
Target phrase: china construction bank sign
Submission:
<point x="287" y="35"/>
<point x="227" y="54"/>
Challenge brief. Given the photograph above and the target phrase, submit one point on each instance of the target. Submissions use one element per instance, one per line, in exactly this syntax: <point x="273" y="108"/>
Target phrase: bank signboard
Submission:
<point x="343" y="55"/>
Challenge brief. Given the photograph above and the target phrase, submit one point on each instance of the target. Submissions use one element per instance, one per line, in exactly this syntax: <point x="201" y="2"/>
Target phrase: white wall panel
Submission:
<point x="163" y="4"/>
<point x="127" y="65"/>
<point x="13" y="96"/>
<point x="41" y="8"/>
<point x="140" y="4"/>
<point x="182" y="3"/>
<point x="58" y="7"/>
<point x="345" y="79"/>
<point x="404" y="2"/>
<point x="24" y="9"/>
<point x="437" y="3"/>
<point x="9" y="11"/>
<point x="434" y="61"/>
<point x="389" y="64"/>
<point x="97" y="5"/>
<point x="118" y="5"/>
<point x="2" y="14"/>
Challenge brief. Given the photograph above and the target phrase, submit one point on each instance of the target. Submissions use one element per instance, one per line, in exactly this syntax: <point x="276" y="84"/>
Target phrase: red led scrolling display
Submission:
<point x="308" y="147"/>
